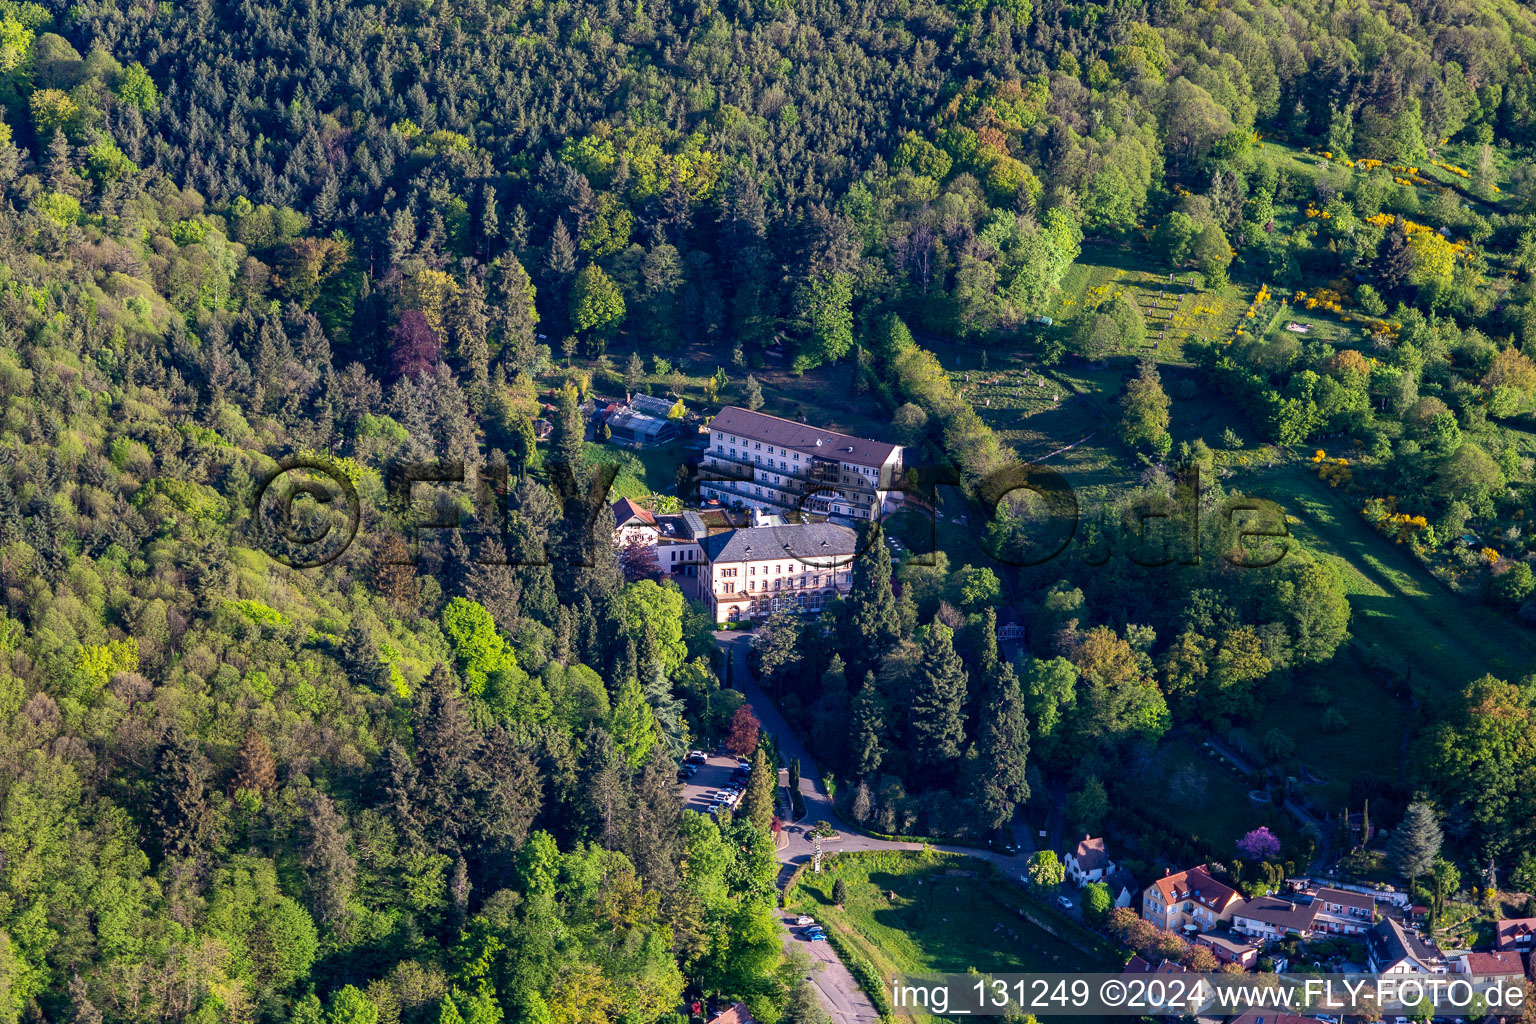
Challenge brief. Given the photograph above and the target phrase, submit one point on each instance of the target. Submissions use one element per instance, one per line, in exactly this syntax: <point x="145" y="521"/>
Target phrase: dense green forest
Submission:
<point x="378" y="792"/>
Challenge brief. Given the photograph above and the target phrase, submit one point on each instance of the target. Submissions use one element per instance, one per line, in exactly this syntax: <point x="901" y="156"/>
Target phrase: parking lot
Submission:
<point x="715" y="772"/>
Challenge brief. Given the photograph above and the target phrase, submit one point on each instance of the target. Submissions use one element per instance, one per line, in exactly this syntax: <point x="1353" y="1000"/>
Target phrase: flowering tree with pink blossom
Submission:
<point x="1260" y="844"/>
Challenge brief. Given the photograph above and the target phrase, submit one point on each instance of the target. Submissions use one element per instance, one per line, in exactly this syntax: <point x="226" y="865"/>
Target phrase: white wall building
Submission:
<point x="776" y="465"/>
<point x="755" y="572"/>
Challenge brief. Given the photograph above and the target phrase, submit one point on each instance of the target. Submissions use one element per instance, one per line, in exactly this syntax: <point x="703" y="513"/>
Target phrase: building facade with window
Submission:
<point x="752" y="573"/>
<point x="779" y="466"/>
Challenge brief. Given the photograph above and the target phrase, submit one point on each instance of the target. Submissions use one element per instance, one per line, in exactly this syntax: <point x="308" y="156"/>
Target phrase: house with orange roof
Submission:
<point x="1515" y="933"/>
<point x="1190" y="901"/>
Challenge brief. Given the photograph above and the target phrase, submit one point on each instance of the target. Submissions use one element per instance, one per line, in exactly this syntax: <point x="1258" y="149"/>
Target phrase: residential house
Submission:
<point x="1517" y="933"/>
<point x="1267" y="919"/>
<point x="632" y="523"/>
<point x="1392" y="948"/>
<point x="737" y="1014"/>
<point x="1089" y="862"/>
<point x="1189" y="901"/>
<point x="759" y="461"/>
<point x="1340" y="912"/>
<point x="1230" y="949"/>
<point x="1122" y="886"/>
<point x="1486" y="967"/>
<point x="755" y="572"/>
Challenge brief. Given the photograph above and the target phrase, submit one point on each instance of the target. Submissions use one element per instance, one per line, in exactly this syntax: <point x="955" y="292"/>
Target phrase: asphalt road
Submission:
<point x="840" y="993"/>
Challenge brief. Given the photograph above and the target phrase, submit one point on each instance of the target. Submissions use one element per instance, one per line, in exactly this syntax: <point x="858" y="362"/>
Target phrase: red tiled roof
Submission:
<point x="1090" y="854"/>
<point x="1515" y="929"/>
<point x="1482" y="965"/>
<point x="625" y="510"/>
<point x="1197" y="885"/>
<point x="737" y="1014"/>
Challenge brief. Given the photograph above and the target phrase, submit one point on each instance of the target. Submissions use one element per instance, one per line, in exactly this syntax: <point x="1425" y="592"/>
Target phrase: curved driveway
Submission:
<point x="840" y="994"/>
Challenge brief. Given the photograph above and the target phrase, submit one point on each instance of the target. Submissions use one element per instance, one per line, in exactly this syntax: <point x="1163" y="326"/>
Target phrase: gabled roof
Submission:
<point x="1090" y="854"/>
<point x="1482" y="965"/>
<point x="1345" y="898"/>
<point x="1198" y="886"/>
<point x="1515" y="929"/>
<point x="1389" y="942"/>
<point x="625" y="510"/>
<point x="801" y="437"/>
<point x="799" y="540"/>
<point x="737" y="1014"/>
<point x="1280" y="913"/>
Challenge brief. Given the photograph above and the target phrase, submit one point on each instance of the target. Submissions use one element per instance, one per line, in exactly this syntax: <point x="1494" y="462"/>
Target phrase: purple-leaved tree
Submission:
<point x="1260" y="844"/>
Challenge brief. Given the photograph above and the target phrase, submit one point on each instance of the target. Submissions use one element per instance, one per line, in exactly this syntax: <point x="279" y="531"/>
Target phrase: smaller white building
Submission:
<point x="1089" y="862"/>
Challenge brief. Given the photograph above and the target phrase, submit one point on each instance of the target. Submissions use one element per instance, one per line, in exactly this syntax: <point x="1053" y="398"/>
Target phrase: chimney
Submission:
<point x="1167" y="871"/>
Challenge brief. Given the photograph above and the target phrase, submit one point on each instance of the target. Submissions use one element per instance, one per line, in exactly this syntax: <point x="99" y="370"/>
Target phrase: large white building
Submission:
<point x="779" y="466"/>
<point x="753" y="573"/>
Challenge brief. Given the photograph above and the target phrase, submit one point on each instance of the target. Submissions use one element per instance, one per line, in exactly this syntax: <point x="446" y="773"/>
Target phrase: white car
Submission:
<point x="805" y="919"/>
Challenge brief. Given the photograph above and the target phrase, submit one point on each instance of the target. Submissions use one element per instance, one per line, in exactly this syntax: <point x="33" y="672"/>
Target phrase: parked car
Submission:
<point x="743" y="765"/>
<point x="696" y="757"/>
<point x="1064" y="901"/>
<point x="817" y="936"/>
<point x="805" y="919"/>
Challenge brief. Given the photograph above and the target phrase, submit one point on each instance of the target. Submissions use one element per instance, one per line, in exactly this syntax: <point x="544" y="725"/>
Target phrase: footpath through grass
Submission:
<point x="915" y="912"/>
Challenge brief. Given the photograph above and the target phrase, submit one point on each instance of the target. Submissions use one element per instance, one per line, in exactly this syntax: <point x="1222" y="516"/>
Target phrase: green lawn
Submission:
<point x="1370" y="741"/>
<point x="950" y="913"/>
<point x="1222" y="816"/>
<point x="1175" y="312"/>
<point x="641" y="473"/>
<point x="1403" y="618"/>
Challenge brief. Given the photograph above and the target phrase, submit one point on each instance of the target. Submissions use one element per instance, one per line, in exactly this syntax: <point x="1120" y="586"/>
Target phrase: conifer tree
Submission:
<point x="868" y="728"/>
<point x="757" y="803"/>
<point x="1415" y="843"/>
<point x="873" y="625"/>
<point x="1002" y="749"/>
<point x="938" y="702"/>
<point x="179" y="813"/>
<point x="255" y="770"/>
